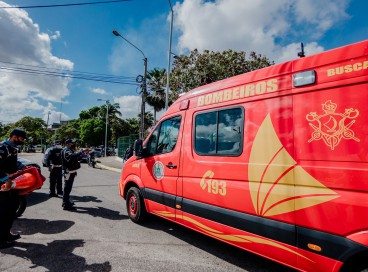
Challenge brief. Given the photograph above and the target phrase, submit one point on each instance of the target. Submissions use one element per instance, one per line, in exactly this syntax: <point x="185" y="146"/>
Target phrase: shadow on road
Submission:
<point x="231" y="254"/>
<point x="61" y="259"/>
<point x="102" y="212"/>
<point x="32" y="226"/>
<point x="86" y="199"/>
<point x="36" y="198"/>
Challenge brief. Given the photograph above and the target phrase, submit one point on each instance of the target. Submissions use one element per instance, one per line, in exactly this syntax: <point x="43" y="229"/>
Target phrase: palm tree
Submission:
<point x="156" y="79"/>
<point x="113" y="110"/>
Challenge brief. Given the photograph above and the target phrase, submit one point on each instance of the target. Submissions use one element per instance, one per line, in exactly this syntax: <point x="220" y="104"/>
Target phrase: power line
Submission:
<point x="45" y="71"/>
<point x="67" y="70"/>
<point x="65" y="5"/>
<point x="64" y="75"/>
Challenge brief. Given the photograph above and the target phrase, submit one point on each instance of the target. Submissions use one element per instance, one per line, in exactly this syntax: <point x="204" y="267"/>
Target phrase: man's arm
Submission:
<point x="48" y="158"/>
<point x="20" y="166"/>
<point x="4" y="177"/>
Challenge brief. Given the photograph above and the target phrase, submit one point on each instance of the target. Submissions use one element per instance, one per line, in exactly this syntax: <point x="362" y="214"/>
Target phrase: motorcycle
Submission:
<point x="91" y="161"/>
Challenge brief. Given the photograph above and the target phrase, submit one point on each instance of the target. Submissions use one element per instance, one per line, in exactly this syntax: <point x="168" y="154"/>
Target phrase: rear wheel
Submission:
<point x="135" y="205"/>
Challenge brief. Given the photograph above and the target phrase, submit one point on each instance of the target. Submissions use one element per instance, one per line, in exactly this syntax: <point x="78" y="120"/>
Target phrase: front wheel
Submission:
<point x="135" y="205"/>
<point x="358" y="264"/>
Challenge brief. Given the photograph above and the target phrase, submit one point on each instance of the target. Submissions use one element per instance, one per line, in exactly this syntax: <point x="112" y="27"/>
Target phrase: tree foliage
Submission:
<point x="156" y="81"/>
<point x="199" y="69"/>
<point x="35" y="128"/>
<point x="94" y="112"/>
<point x="92" y="131"/>
<point x="5" y="130"/>
<point x="71" y="130"/>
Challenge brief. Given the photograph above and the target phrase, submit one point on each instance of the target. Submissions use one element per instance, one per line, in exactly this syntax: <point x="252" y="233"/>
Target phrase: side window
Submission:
<point x="165" y="136"/>
<point x="206" y="133"/>
<point x="219" y="132"/>
<point x="152" y="142"/>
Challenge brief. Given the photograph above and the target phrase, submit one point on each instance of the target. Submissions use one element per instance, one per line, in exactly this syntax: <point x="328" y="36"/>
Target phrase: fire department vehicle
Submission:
<point x="274" y="161"/>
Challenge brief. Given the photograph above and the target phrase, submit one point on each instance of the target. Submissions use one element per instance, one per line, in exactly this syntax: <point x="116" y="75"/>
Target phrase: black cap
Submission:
<point x="69" y="141"/>
<point x="18" y="132"/>
<point x="57" y="142"/>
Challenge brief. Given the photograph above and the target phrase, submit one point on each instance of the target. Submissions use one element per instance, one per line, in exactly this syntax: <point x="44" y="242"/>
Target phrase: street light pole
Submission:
<point x="48" y="118"/>
<point x="107" y="119"/>
<point x="169" y="61"/>
<point x="144" y="89"/>
<point x="144" y="84"/>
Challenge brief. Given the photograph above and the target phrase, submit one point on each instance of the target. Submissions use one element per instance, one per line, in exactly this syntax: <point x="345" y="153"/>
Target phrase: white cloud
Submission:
<point x="267" y="27"/>
<point x="50" y="115"/>
<point x="290" y="51"/>
<point x="55" y="36"/>
<point x="321" y="14"/>
<point x="130" y="105"/>
<point x="25" y="47"/>
<point x="98" y="91"/>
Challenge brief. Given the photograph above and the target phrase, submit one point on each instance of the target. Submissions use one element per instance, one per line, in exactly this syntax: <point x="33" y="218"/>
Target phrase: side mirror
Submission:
<point x="138" y="148"/>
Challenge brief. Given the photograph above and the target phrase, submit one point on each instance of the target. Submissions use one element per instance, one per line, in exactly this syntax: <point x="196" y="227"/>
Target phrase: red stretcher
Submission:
<point x="27" y="181"/>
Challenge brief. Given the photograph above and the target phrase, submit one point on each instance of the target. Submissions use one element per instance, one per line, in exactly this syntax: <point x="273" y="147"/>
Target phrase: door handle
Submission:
<point x="171" y="166"/>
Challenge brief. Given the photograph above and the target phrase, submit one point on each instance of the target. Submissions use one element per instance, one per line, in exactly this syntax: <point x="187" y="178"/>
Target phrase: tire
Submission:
<point x="22" y="206"/>
<point x="363" y="267"/>
<point x="358" y="264"/>
<point x="135" y="205"/>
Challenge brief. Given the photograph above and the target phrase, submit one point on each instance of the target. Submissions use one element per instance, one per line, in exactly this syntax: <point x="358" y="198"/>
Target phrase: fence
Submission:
<point x="124" y="142"/>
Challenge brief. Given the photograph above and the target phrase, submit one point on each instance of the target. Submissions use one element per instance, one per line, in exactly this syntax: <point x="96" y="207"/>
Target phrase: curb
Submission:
<point x="109" y="168"/>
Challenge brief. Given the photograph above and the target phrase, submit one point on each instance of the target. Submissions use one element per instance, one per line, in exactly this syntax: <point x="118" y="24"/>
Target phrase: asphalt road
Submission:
<point x="99" y="236"/>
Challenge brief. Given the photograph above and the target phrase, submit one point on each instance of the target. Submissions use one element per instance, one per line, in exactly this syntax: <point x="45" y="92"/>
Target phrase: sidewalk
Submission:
<point x="113" y="163"/>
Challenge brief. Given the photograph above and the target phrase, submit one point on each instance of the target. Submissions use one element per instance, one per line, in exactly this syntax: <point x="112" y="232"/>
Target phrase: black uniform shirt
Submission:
<point x="8" y="160"/>
<point x="54" y="157"/>
<point x="70" y="159"/>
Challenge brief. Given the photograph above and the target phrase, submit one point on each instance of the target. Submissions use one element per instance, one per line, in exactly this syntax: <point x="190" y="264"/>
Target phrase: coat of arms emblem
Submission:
<point x="332" y="127"/>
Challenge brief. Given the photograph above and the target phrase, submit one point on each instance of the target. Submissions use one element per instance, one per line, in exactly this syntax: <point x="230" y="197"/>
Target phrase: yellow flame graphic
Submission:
<point x="230" y="237"/>
<point x="277" y="184"/>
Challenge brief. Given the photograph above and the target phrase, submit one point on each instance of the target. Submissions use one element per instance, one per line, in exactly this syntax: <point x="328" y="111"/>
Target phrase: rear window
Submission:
<point x="219" y="132"/>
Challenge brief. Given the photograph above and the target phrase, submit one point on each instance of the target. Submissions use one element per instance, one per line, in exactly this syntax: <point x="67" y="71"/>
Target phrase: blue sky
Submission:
<point x="80" y="38"/>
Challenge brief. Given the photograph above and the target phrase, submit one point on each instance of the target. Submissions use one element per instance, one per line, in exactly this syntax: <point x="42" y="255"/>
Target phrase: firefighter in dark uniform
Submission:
<point x="71" y="164"/>
<point x="9" y="199"/>
<point x="54" y="163"/>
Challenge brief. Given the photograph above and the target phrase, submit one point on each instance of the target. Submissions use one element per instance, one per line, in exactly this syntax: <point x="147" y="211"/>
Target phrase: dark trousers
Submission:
<point x="9" y="202"/>
<point x="56" y="180"/>
<point x="68" y="185"/>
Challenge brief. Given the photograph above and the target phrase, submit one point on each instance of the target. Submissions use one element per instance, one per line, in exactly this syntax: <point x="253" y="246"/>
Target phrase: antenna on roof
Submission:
<point x="301" y="54"/>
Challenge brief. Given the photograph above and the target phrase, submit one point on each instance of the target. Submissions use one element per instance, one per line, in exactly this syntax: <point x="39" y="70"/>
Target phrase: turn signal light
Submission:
<point x="314" y="247"/>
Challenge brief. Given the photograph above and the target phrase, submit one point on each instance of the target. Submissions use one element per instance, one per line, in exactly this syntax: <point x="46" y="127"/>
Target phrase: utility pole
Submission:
<point x="144" y="91"/>
<point x="169" y="61"/>
<point x="144" y="84"/>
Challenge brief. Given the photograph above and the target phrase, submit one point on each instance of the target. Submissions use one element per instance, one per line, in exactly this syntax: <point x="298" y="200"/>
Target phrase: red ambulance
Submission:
<point x="274" y="161"/>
